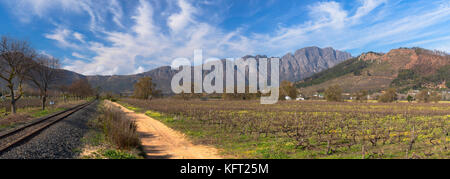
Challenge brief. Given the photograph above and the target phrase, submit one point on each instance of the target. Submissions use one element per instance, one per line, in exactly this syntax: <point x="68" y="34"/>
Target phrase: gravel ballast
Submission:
<point x="60" y="141"/>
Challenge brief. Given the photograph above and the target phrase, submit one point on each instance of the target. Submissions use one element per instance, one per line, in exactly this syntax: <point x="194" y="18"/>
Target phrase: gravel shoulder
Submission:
<point x="60" y="141"/>
<point x="161" y="142"/>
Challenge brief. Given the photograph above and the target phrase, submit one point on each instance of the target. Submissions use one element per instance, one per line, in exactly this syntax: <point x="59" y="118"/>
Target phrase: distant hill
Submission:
<point x="293" y="67"/>
<point x="404" y="68"/>
<point x="162" y="77"/>
<point x="65" y="78"/>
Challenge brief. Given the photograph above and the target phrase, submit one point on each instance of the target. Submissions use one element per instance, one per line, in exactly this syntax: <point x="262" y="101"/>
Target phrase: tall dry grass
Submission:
<point x="119" y="130"/>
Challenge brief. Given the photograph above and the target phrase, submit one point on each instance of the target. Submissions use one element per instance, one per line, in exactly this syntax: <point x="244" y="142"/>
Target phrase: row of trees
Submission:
<point x="20" y="64"/>
<point x="424" y="96"/>
<point x="287" y="89"/>
<point x="79" y="88"/>
<point x="334" y="93"/>
<point x="145" y="89"/>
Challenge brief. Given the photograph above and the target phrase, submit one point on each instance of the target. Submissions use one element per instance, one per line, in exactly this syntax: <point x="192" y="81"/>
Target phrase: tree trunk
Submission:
<point x="13" y="102"/>
<point x="44" y="100"/>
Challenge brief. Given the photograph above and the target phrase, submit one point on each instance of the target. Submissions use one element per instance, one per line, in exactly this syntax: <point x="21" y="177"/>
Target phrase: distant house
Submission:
<point x="300" y="98"/>
<point x="347" y="96"/>
<point x="318" y="95"/>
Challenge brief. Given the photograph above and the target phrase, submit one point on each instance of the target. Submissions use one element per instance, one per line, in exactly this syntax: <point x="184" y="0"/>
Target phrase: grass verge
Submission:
<point x="112" y="136"/>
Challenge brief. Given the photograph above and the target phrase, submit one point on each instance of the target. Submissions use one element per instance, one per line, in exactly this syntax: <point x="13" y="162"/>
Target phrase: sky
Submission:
<point x="120" y="37"/>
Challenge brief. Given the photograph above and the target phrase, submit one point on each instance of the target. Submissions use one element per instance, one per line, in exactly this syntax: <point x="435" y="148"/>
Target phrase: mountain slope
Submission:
<point x="401" y="68"/>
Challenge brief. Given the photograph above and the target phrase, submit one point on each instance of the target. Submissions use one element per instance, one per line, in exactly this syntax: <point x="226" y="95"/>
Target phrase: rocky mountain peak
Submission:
<point x="308" y="61"/>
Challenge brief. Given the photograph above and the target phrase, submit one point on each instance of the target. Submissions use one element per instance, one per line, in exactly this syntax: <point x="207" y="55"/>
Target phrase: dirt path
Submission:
<point x="162" y="142"/>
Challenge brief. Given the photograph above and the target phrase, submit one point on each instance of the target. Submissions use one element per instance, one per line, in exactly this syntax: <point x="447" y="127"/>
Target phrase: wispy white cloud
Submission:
<point x="26" y="9"/>
<point x="180" y="20"/>
<point x="79" y="37"/>
<point x="367" y="7"/>
<point x="117" y="12"/>
<point x="149" y="41"/>
<point x="63" y="37"/>
<point x="94" y="9"/>
<point x="146" y="45"/>
<point x="79" y="56"/>
<point x="331" y="25"/>
<point x="328" y="14"/>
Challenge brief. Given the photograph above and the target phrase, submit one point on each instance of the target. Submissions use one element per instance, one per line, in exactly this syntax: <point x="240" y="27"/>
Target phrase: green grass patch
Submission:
<point x="2" y="127"/>
<point x="43" y="113"/>
<point x="132" y="108"/>
<point x="117" y="154"/>
<point x="160" y="117"/>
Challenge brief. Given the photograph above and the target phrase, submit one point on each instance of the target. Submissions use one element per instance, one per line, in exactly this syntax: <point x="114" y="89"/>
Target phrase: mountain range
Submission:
<point x="293" y="67"/>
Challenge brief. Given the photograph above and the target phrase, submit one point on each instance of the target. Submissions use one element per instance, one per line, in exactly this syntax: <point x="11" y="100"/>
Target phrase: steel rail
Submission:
<point x="9" y="139"/>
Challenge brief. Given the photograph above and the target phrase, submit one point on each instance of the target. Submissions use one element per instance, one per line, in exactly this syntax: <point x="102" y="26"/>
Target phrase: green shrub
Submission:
<point x="410" y="98"/>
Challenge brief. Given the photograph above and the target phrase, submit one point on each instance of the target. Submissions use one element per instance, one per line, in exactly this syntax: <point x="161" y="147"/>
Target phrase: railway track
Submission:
<point x="12" y="138"/>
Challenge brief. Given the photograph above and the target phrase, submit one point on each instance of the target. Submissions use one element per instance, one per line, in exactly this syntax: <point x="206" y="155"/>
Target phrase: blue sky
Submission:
<point x="132" y="36"/>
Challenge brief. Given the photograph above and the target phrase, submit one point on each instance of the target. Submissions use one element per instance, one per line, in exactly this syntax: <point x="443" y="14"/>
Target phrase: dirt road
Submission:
<point x="162" y="142"/>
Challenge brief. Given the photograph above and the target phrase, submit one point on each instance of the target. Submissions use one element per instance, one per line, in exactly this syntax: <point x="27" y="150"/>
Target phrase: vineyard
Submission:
<point x="246" y="129"/>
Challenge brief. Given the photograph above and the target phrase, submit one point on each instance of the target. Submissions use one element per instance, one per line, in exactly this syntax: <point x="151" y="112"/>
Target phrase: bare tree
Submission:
<point x="288" y="89"/>
<point x="64" y="89"/>
<point x="144" y="88"/>
<point x="389" y="96"/>
<point x="334" y="93"/>
<point x="43" y="74"/>
<point x="15" y="61"/>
